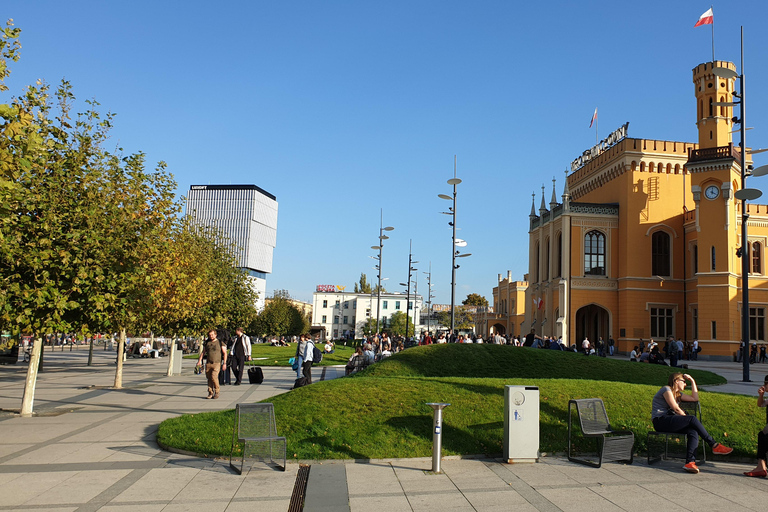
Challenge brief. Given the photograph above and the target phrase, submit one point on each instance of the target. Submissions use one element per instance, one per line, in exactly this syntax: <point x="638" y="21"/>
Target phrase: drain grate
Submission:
<point x="299" y="489"/>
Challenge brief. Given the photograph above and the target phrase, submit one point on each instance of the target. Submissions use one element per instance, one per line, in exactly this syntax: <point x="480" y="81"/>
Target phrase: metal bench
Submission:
<point x="655" y="451"/>
<point x="612" y="445"/>
<point x="255" y="428"/>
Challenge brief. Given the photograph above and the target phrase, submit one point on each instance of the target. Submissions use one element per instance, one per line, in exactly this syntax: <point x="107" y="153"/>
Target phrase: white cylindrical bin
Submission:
<point x="521" y="424"/>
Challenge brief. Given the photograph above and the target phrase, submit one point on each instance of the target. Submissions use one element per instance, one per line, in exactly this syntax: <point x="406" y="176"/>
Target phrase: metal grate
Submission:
<point x="299" y="489"/>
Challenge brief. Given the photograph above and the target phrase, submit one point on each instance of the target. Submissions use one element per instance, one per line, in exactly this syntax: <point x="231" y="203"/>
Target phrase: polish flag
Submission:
<point x="594" y="118"/>
<point x="708" y="18"/>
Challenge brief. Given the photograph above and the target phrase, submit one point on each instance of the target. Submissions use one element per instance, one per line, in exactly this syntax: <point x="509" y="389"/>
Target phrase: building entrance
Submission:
<point x="592" y="321"/>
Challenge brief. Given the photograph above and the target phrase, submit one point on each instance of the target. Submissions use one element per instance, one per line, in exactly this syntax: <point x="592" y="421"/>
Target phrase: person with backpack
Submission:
<point x="311" y="354"/>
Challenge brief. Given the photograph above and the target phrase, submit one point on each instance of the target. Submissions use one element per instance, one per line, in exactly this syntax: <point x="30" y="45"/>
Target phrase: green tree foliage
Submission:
<point x="363" y="286"/>
<point x="369" y="327"/>
<point x="280" y="318"/>
<point x="396" y="325"/>
<point x="462" y="320"/>
<point x="474" y="299"/>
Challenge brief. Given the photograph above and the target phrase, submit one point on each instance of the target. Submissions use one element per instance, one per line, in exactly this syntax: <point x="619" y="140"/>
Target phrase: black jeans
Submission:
<point x="238" y="365"/>
<point x="688" y="425"/>
<point x="762" y="445"/>
<point x="306" y="369"/>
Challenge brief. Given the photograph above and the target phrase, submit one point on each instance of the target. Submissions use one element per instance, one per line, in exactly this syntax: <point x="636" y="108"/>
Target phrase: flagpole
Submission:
<point x="596" y="122"/>
<point x="713" y="35"/>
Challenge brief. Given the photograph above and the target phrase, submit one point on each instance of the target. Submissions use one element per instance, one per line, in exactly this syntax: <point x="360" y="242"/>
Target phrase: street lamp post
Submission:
<point x="379" y="247"/>
<point x="454" y="253"/>
<point x="408" y="288"/>
<point x="429" y="295"/>
<point x="744" y="194"/>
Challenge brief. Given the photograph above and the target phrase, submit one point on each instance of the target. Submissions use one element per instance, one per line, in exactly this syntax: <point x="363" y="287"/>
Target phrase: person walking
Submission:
<point x="667" y="416"/>
<point x="306" y="368"/>
<point x="240" y="352"/>
<point x="215" y="354"/>
<point x="301" y="347"/>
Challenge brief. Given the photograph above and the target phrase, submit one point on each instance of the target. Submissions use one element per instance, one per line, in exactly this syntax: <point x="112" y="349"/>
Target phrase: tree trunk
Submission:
<point x="171" y="357"/>
<point x="35" y="360"/>
<point x="42" y="354"/>
<point x="90" y="353"/>
<point x="120" y="352"/>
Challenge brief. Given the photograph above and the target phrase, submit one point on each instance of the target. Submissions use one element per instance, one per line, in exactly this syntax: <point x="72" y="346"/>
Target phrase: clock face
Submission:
<point x="712" y="192"/>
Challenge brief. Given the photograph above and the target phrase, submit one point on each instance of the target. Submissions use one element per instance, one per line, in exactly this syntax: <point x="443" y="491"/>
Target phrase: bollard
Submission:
<point x="437" y="435"/>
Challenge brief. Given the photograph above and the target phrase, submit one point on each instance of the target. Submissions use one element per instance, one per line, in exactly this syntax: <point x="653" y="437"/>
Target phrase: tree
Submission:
<point x="474" y="299"/>
<point x="280" y="318"/>
<point x="369" y="327"/>
<point x="363" y="286"/>
<point x="397" y="322"/>
<point x="462" y="320"/>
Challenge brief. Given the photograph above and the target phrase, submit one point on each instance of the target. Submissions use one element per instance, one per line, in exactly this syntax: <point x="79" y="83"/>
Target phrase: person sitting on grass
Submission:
<point x="761" y="471"/>
<point x="656" y="357"/>
<point x="667" y="416"/>
<point x="369" y="355"/>
<point x="634" y="354"/>
<point x="328" y="349"/>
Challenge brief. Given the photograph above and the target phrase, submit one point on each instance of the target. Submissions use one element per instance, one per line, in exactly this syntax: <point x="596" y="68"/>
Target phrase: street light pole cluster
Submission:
<point x="455" y="253"/>
<point x="379" y="248"/>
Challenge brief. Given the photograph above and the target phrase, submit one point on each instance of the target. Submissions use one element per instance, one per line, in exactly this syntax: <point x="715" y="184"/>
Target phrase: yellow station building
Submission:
<point x="643" y="242"/>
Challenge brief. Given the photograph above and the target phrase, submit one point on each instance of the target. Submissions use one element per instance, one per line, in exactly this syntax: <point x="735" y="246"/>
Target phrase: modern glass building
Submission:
<point x="247" y="215"/>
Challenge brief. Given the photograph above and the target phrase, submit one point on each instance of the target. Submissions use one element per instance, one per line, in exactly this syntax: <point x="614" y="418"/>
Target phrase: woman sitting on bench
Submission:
<point x="667" y="416"/>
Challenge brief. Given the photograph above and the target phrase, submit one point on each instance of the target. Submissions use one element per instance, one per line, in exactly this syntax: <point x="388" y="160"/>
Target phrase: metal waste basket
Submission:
<point x="521" y="424"/>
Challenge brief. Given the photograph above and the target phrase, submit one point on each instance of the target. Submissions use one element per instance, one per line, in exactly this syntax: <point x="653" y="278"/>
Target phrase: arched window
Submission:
<point x="559" y="267"/>
<point x="594" y="253"/>
<point x="722" y="109"/>
<point x="757" y="258"/>
<point x="711" y="111"/>
<point x="660" y="254"/>
<point x="695" y="259"/>
<point x="536" y="264"/>
<point x="712" y="254"/>
<point x="546" y="259"/>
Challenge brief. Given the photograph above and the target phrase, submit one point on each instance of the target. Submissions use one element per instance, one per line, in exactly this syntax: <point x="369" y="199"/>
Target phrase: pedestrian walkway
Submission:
<point x="93" y="448"/>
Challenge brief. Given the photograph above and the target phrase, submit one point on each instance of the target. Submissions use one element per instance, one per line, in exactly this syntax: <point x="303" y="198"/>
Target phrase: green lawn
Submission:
<point x="381" y="413"/>
<point x="279" y="356"/>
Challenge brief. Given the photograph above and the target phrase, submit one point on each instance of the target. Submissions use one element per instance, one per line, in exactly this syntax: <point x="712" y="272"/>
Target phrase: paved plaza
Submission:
<point x="93" y="448"/>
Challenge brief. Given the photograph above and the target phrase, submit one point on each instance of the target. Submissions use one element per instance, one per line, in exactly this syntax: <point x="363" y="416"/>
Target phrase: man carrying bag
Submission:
<point x="240" y="352"/>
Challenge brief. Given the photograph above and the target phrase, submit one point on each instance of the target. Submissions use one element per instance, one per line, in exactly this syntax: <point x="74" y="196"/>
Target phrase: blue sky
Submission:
<point x="344" y="108"/>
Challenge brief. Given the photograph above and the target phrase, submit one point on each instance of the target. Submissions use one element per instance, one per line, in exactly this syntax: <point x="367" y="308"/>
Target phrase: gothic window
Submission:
<point x="757" y="256"/>
<point x="594" y="253"/>
<point x="713" y="258"/>
<point x="660" y="254"/>
<point x="559" y="265"/>
<point x="546" y="260"/>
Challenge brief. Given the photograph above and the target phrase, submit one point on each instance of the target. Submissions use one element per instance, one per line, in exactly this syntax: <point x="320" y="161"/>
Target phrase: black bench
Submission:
<point x="659" y="448"/>
<point x="612" y="445"/>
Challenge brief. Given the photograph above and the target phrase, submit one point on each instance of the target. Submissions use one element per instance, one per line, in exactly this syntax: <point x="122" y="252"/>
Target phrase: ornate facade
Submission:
<point x="645" y="240"/>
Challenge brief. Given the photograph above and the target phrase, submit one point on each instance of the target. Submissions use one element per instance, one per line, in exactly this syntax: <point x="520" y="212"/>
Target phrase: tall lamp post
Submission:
<point x="454" y="253"/>
<point x="408" y="288"/>
<point x="429" y="295"/>
<point x="379" y="247"/>
<point x="744" y="194"/>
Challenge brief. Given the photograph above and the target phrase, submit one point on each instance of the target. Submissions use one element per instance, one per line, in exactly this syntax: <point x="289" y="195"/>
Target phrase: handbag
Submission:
<point x="294" y="363"/>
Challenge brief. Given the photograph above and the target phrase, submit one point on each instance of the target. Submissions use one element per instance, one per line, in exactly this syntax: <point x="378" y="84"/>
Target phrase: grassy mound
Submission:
<point x="498" y="361"/>
<point x="381" y="412"/>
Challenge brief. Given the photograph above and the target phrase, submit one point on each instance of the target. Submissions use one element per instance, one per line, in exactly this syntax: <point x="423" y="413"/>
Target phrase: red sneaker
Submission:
<point x="720" y="449"/>
<point x="691" y="467"/>
<point x="758" y="474"/>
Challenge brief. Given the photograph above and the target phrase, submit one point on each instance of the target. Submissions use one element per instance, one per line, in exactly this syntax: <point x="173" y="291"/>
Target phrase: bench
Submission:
<point x="612" y="445"/>
<point x="358" y="363"/>
<point x="655" y="455"/>
<point x="255" y="428"/>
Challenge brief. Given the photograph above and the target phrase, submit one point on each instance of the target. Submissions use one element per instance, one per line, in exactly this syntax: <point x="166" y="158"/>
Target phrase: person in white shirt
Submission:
<point x="240" y="352"/>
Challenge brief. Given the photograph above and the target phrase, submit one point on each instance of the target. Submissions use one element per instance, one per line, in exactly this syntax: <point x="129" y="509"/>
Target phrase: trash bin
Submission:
<point x="521" y="424"/>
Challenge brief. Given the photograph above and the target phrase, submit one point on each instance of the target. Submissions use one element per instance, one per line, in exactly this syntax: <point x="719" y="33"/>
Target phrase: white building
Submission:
<point x="344" y="314"/>
<point x="247" y="215"/>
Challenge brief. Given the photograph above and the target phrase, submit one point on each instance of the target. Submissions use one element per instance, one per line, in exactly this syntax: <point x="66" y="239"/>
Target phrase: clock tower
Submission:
<point x="715" y="172"/>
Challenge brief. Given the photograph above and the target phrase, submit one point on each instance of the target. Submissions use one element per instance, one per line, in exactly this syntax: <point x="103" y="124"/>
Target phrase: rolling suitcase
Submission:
<point x="255" y="375"/>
